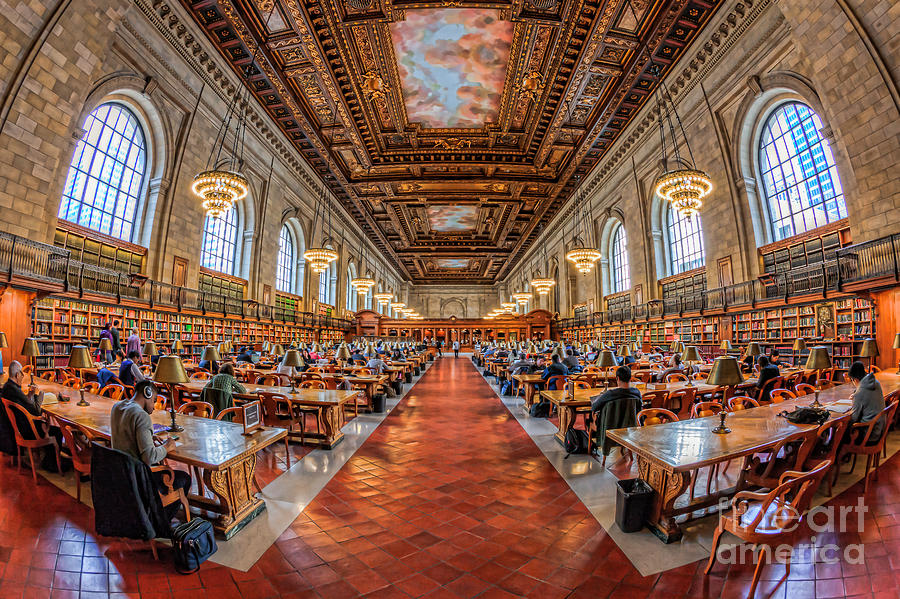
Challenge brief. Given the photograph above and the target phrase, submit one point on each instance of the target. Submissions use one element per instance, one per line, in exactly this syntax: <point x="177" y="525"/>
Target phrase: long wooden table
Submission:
<point x="329" y="401"/>
<point x="369" y="383"/>
<point x="668" y="453"/>
<point x="224" y="455"/>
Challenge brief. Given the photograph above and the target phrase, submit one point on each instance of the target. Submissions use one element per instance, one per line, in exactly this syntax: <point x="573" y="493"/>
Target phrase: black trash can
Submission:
<point x="633" y="499"/>
<point x="397" y="384"/>
<point x="378" y="403"/>
<point x="416" y="370"/>
<point x="407" y="377"/>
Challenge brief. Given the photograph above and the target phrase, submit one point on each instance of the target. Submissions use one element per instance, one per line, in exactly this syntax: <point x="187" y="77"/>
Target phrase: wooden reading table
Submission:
<point x="226" y="457"/>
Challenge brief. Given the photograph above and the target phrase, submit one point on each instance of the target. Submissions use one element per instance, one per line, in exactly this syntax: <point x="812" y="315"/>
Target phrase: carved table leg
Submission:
<point x="331" y="426"/>
<point x="668" y="486"/>
<point x="233" y="488"/>
<point x="566" y="421"/>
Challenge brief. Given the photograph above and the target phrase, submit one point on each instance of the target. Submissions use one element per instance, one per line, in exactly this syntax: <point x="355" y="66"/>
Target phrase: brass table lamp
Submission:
<point x="726" y="346"/>
<point x="897" y="346"/>
<point x="150" y="349"/>
<point x="31" y="351"/>
<point x="690" y="357"/>
<point x="726" y="372"/>
<point x="277" y="350"/>
<point x="799" y="346"/>
<point x="606" y="360"/>
<point x="869" y="350"/>
<point x="677" y="347"/>
<point x="342" y="355"/>
<point x="177" y="347"/>
<point x="79" y="359"/>
<point x="624" y="350"/>
<point x="3" y="343"/>
<point x="753" y="350"/>
<point x="818" y="360"/>
<point x="295" y="360"/>
<point x="170" y="372"/>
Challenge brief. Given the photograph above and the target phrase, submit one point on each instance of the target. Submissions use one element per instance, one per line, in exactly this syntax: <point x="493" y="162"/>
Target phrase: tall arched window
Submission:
<point x="685" y="242"/>
<point x="621" y="279"/>
<point x="106" y="174"/>
<point x="351" y="299"/>
<point x="220" y="242"/>
<point x="285" y="270"/>
<point x="328" y="285"/>
<point x="799" y="178"/>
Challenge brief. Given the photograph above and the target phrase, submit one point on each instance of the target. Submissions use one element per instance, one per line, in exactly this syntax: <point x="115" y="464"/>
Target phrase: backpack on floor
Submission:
<point x="540" y="410"/>
<point x="192" y="542"/>
<point x="576" y="441"/>
<point x="505" y="387"/>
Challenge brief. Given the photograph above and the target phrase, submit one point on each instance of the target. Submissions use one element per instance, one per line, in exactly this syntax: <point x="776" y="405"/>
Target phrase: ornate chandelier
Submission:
<point x="521" y="298"/>
<point x="397" y="307"/>
<point x="219" y="190"/>
<point x="383" y="298"/>
<point x="684" y="186"/>
<point x="508" y="306"/>
<point x="542" y="286"/>
<point x="320" y="258"/>
<point x="362" y="284"/>
<point x="583" y="258"/>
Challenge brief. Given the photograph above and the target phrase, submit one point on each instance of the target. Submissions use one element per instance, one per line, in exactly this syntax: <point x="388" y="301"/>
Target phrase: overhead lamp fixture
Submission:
<point x="398" y="306"/>
<point x="542" y="286"/>
<point x="521" y="298"/>
<point x="508" y="306"/>
<point x="583" y="258"/>
<point x="383" y="298"/>
<point x="362" y="284"/>
<point x="320" y="258"/>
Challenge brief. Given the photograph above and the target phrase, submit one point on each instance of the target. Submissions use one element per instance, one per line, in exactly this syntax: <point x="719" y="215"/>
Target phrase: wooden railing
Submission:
<point x="24" y="259"/>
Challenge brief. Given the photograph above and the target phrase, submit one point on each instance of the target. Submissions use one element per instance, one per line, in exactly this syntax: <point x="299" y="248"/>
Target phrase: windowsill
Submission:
<point x="837" y="225"/>
<point x="69" y="226"/>
<point x="222" y="275"/>
<point x="684" y="275"/>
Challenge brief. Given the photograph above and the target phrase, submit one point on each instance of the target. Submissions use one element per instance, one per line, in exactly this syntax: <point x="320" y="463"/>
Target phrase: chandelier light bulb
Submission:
<point x="219" y="190"/>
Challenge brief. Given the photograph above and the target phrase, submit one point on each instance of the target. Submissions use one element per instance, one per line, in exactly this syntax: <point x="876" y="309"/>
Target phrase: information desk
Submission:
<point x="668" y="453"/>
<point x="225" y="456"/>
<point x="330" y="404"/>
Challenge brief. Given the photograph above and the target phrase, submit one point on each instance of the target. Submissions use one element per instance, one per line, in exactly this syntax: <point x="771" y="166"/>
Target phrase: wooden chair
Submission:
<point x="706" y="408"/>
<point x="650" y="416"/>
<point x="92" y="387"/>
<point x="763" y="393"/>
<point x="801" y="389"/>
<point x="874" y="369"/>
<point x="780" y="395"/>
<point x="162" y="403"/>
<point x="200" y="375"/>
<point x="741" y="402"/>
<point x="699" y="376"/>
<point x="48" y="375"/>
<point x="313" y="384"/>
<point x="656" y="399"/>
<point x="578" y="384"/>
<point x="675" y="377"/>
<point x="792" y="380"/>
<point x="277" y="412"/>
<point x="828" y="442"/>
<point x="680" y="401"/>
<point x="200" y="409"/>
<point x="72" y="382"/>
<point x="642" y="376"/>
<point x="77" y="446"/>
<point x="765" y="467"/>
<point x="236" y="413"/>
<point x="39" y="431"/>
<point x="556" y="381"/>
<point x="112" y="391"/>
<point x="27" y="369"/>
<point x="861" y="443"/>
<point x="184" y="395"/>
<point x="769" y="518"/>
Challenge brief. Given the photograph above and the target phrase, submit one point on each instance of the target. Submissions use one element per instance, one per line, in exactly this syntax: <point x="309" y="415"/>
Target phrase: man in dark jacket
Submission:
<point x="622" y="390"/>
<point x="12" y="391"/>
<point x="116" y="339"/>
<point x="555" y="368"/>
<point x="868" y="399"/>
<point x="616" y="408"/>
<point x="767" y="372"/>
<point x="571" y="361"/>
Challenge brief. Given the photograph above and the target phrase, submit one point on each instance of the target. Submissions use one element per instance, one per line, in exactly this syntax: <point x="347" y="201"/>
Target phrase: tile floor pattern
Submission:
<point x="448" y="498"/>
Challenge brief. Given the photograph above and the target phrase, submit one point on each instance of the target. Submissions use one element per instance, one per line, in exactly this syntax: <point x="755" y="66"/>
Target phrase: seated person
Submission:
<point x="12" y="391"/>
<point x="131" y="431"/>
<point x="226" y="385"/>
<point x="675" y="367"/>
<point x="571" y="361"/>
<point x="208" y="366"/>
<point x="747" y="363"/>
<point x="868" y="399"/>
<point x="376" y="364"/>
<point x="129" y="371"/>
<point x="245" y="355"/>
<point x="520" y="364"/>
<point x="555" y="368"/>
<point x="357" y="356"/>
<point x="622" y="390"/>
<point x="775" y="357"/>
<point x="767" y="372"/>
<point x="104" y="376"/>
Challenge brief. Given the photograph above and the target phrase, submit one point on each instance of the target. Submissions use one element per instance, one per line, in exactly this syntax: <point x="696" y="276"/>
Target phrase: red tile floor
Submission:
<point x="448" y="498"/>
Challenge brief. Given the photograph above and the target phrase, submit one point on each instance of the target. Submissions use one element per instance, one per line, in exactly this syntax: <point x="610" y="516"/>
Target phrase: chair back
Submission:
<point x="236" y="413"/>
<point x="591" y="368"/>
<point x="276" y="408"/>
<point x="766" y="390"/>
<point x="655" y="399"/>
<point x="313" y="384"/>
<point x="642" y="375"/>
<point x="113" y="391"/>
<point x="200" y="409"/>
<point x="864" y="440"/>
<point x="78" y="441"/>
<point x="780" y="395"/>
<point x="801" y="389"/>
<point x="557" y="381"/>
<point x="578" y="384"/>
<point x="650" y="416"/>
<point x="874" y="369"/>
<point x="200" y="375"/>
<point x="587" y="378"/>
<point x="73" y="382"/>
<point x="48" y="375"/>
<point x="828" y="440"/>
<point x="676" y="377"/>
<point x="37" y="425"/>
<point x="92" y="387"/>
<point x="792" y="380"/>
<point x="741" y="402"/>
<point x="706" y="408"/>
<point x="185" y="395"/>
<point x="269" y="380"/>
<point x="681" y="400"/>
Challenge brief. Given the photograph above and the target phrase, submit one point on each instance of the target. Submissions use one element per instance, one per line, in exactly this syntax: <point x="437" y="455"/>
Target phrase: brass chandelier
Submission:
<point x="540" y="283"/>
<point x="362" y="284"/>
<point x="684" y="186"/>
<point x="320" y="258"/>
<point x="521" y="298"/>
<point x="582" y="255"/>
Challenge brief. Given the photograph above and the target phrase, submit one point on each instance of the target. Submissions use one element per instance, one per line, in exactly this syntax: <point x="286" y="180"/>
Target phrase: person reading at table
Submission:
<point x="131" y="431"/>
<point x="357" y="356"/>
<point x="376" y="364"/>
<point x="571" y="361"/>
<point x="555" y="368"/>
<point x="129" y="372"/>
<point x="767" y="371"/>
<point x="622" y="390"/>
<point x="868" y="400"/>
<point x="675" y="367"/>
<point x="31" y="401"/>
<point x="775" y="357"/>
<point x="220" y="389"/>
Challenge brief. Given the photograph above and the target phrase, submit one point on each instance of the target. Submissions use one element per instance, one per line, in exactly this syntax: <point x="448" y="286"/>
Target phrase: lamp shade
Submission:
<point x="223" y="348"/>
<point x="624" y="350"/>
<point x="869" y="349"/>
<point x="80" y="357"/>
<point x="799" y="344"/>
<point x="266" y="347"/>
<point x="170" y="370"/>
<point x="177" y="345"/>
<point x="691" y="355"/>
<point x="30" y="348"/>
<point x="317" y="349"/>
<point x="293" y="358"/>
<point x="726" y="345"/>
<point x="3" y="342"/>
<point x="150" y="348"/>
<point x="676" y="347"/>
<point x="532" y="348"/>
<point x="897" y="341"/>
<point x="210" y="354"/>
<point x="606" y="359"/>
<point x="753" y="349"/>
<point x="725" y="371"/>
<point x="343" y="354"/>
<point x="277" y="349"/>
<point x="818" y="358"/>
<point x="105" y="345"/>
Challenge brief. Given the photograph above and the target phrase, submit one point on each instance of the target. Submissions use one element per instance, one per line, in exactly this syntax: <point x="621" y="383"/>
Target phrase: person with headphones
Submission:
<point x="132" y="432"/>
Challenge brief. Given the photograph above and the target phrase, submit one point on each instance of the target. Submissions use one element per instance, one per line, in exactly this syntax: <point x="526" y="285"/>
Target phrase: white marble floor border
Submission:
<point x="595" y="486"/>
<point x="287" y="496"/>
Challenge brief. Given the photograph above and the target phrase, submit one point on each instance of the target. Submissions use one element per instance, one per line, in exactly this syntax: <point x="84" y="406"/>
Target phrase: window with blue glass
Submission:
<point x="220" y="243"/>
<point x="621" y="277"/>
<point x="105" y="177"/>
<point x="685" y="237"/>
<point x="799" y="177"/>
<point x="284" y="271"/>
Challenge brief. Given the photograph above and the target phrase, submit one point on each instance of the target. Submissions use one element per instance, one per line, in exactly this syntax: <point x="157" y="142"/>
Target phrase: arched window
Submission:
<point x="220" y="242"/>
<point x="285" y="270"/>
<point x="685" y="242"/>
<point x="351" y="300"/>
<point x="106" y="174"/>
<point x="621" y="279"/>
<point x="328" y="285"/>
<point x="799" y="178"/>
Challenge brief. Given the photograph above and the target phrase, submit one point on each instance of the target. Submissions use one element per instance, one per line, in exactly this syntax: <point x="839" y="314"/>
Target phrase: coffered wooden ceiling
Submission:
<point x="451" y="129"/>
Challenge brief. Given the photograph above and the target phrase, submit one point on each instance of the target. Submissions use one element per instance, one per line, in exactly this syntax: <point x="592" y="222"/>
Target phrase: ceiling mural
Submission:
<point x="452" y="65"/>
<point x="452" y="263"/>
<point x="450" y="129"/>
<point x="449" y="219"/>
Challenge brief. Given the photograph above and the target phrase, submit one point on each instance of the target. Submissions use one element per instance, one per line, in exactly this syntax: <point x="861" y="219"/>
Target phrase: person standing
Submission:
<point x="439" y="345"/>
<point x="456" y="349"/>
<point x="116" y="339"/>
<point x="133" y="344"/>
<point x="106" y="333"/>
